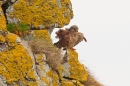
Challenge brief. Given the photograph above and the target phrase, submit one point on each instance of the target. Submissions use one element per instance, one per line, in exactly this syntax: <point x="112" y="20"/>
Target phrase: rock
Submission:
<point x="12" y="1"/>
<point x="2" y="39"/>
<point x="37" y="15"/>
<point x="35" y="61"/>
<point x="3" y="46"/>
<point x="2" y="21"/>
<point x="2" y="81"/>
<point x="12" y="39"/>
<point x="37" y="68"/>
<point x="18" y="40"/>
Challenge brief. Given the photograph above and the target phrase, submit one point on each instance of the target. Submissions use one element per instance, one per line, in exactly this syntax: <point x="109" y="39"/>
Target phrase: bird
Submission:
<point x="64" y="38"/>
<point x="74" y="28"/>
<point x="76" y="37"/>
<point x="69" y="37"/>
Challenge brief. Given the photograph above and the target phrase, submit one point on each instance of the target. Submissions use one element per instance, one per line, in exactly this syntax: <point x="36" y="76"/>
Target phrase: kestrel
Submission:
<point x="69" y="37"/>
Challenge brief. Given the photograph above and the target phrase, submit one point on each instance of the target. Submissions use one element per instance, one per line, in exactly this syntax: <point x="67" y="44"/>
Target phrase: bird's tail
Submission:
<point x="85" y="39"/>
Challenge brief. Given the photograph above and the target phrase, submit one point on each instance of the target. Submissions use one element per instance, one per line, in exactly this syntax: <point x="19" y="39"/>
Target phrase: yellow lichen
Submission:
<point x="31" y="78"/>
<point x="2" y="39"/>
<point x="77" y="70"/>
<point x="45" y="80"/>
<point x="67" y="83"/>
<point x="71" y="83"/>
<point x="60" y="70"/>
<point x="15" y="64"/>
<point x="11" y="39"/>
<point x="52" y="74"/>
<point x="42" y="35"/>
<point x="77" y="83"/>
<point x="43" y="12"/>
<point x="39" y="58"/>
<point x="16" y="85"/>
<point x="2" y="21"/>
<point x="30" y="75"/>
<point x="40" y="61"/>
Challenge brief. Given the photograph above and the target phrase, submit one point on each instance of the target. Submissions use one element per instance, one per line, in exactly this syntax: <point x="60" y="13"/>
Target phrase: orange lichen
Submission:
<point x="77" y="70"/>
<point x="42" y="35"/>
<point x="32" y="78"/>
<point x="2" y="21"/>
<point x="15" y="64"/>
<point x="77" y="83"/>
<point x="39" y="58"/>
<point x="60" y="70"/>
<point x="2" y="39"/>
<point x="11" y="39"/>
<point x="40" y="61"/>
<point x="42" y="12"/>
<point x="30" y="75"/>
<point x="67" y="83"/>
<point x="52" y="74"/>
<point x="45" y="80"/>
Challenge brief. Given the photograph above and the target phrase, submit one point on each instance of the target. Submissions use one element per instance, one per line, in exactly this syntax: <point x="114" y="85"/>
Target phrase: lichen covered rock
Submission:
<point x="21" y="66"/>
<point x="67" y="83"/>
<point x="72" y="72"/>
<point x="2" y="39"/>
<point x="77" y="70"/>
<point x="15" y="63"/>
<point x="2" y="21"/>
<point x="15" y="66"/>
<point x="12" y="39"/>
<point x="33" y="60"/>
<point x="3" y="30"/>
<point x="41" y="13"/>
<point x="42" y="35"/>
<point x="47" y="76"/>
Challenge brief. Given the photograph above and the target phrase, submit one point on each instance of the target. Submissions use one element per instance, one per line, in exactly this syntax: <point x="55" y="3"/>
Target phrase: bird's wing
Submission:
<point x="80" y="38"/>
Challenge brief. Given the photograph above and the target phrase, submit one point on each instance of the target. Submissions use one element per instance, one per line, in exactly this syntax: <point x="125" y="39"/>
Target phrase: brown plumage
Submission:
<point x="74" y="28"/>
<point x="80" y="38"/>
<point x="69" y="37"/>
<point x="64" y="38"/>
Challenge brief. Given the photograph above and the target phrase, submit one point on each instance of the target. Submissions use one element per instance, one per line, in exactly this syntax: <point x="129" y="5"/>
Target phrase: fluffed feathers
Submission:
<point x="69" y="37"/>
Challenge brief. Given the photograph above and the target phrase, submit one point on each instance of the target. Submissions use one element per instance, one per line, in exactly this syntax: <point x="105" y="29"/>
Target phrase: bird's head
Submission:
<point x="74" y="28"/>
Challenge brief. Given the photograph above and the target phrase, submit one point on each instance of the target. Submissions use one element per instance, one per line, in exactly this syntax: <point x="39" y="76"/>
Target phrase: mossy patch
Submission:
<point x="19" y="29"/>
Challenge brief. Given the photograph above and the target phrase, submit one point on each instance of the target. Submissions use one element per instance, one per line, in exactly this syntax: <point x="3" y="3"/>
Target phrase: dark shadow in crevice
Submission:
<point x="68" y="78"/>
<point x="4" y="8"/>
